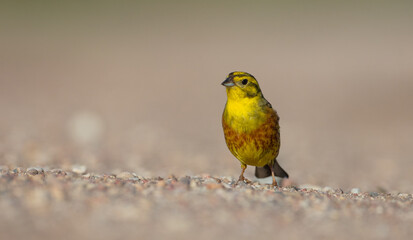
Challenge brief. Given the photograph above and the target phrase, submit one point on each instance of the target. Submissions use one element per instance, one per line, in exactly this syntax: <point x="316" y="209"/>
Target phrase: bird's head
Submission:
<point x="241" y="85"/>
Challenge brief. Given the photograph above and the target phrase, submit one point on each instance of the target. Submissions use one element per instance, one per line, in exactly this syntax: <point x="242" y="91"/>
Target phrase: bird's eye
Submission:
<point x="244" y="82"/>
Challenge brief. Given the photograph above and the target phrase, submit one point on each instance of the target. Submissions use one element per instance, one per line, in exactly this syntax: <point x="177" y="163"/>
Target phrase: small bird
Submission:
<point x="251" y="128"/>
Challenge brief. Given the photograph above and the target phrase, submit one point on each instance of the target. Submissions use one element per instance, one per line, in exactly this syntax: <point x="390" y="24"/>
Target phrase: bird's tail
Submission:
<point x="263" y="172"/>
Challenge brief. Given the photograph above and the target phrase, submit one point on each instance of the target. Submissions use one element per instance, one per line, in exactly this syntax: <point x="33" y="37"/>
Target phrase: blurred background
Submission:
<point x="135" y="86"/>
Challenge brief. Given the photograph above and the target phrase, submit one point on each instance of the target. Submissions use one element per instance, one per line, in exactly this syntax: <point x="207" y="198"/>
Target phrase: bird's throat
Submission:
<point x="244" y="114"/>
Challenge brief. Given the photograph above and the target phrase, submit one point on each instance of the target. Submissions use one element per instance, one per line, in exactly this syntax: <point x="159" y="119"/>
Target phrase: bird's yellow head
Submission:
<point x="241" y="85"/>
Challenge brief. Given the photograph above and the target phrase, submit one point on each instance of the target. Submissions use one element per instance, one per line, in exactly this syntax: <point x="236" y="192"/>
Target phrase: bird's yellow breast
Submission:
<point x="244" y="114"/>
<point x="251" y="130"/>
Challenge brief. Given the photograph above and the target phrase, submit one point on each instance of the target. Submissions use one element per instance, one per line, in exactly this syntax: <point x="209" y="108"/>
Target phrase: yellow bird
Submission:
<point x="251" y="128"/>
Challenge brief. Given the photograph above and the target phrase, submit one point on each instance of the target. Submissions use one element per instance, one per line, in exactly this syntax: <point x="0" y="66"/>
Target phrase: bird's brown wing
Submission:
<point x="263" y="172"/>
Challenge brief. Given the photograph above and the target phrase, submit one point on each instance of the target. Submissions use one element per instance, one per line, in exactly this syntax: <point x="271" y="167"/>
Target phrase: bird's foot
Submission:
<point x="274" y="184"/>
<point x="243" y="179"/>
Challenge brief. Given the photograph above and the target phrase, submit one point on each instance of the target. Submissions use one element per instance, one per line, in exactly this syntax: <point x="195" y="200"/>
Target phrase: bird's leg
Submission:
<point x="274" y="182"/>
<point x="241" y="177"/>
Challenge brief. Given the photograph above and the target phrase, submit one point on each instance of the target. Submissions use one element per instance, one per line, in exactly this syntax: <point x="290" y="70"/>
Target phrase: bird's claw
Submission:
<point x="243" y="179"/>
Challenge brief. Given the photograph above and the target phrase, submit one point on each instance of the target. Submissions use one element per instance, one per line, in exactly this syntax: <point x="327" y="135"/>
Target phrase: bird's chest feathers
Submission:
<point x="244" y="115"/>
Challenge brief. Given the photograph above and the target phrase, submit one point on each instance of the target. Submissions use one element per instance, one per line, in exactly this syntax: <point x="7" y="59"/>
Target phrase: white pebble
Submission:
<point x="79" y="169"/>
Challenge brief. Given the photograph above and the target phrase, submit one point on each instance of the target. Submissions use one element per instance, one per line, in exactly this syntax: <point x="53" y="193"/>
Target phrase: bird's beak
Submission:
<point x="228" y="82"/>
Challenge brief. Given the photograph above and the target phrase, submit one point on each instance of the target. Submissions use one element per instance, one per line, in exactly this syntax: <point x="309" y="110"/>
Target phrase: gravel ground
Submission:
<point x="42" y="203"/>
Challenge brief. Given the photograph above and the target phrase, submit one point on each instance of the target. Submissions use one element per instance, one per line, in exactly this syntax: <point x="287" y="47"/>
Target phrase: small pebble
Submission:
<point x="125" y="175"/>
<point x="79" y="169"/>
<point x="86" y="175"/>
<point x="374" y="194"/>
<point x="355" y="190"/>
<point x="58" y="172"/>
<point x="185" y="180"/>
<point x="193" y="184"/>
<point x="403" y="195"/>
<point x="34" y="171"/>
<point x="328" y="189"/>
<point x="210" y="180"/>
<point x="18" y="170"/>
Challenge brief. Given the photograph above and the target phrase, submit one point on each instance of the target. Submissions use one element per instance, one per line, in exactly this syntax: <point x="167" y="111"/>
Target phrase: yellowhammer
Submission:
<point x="251" y="128"/>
